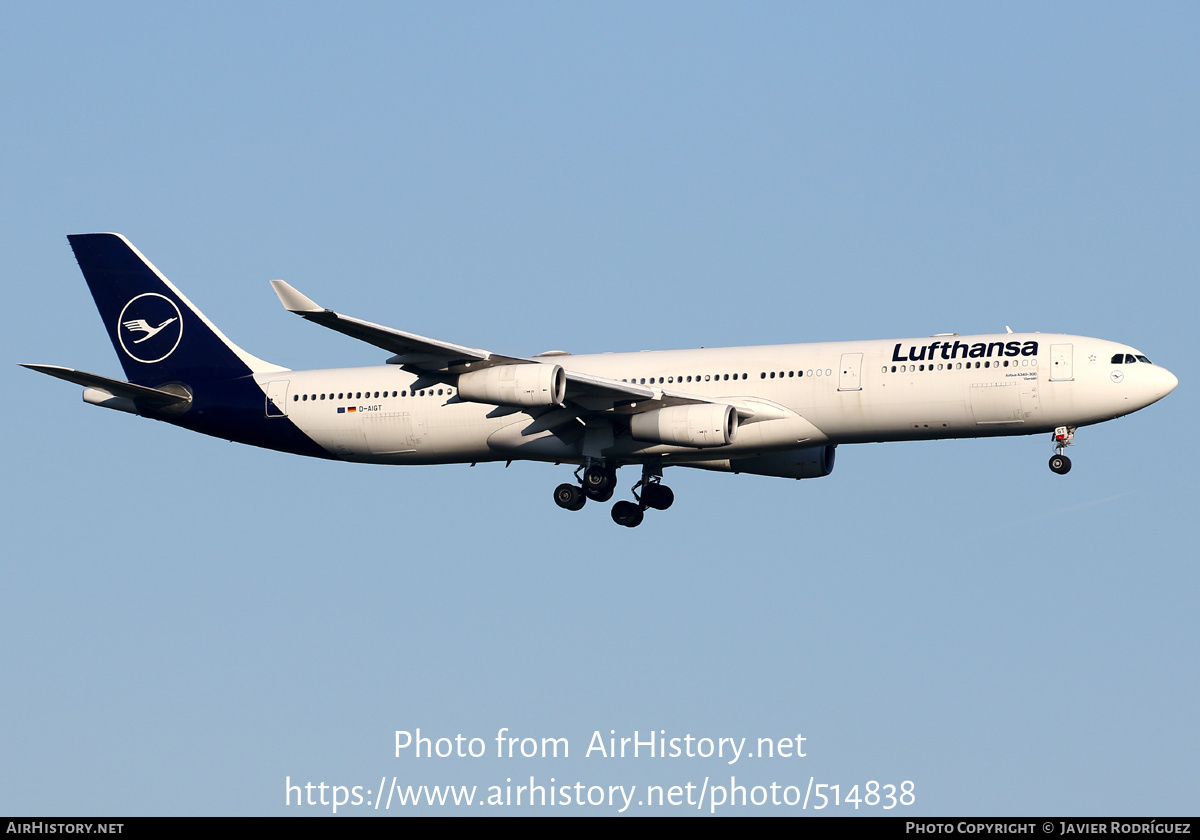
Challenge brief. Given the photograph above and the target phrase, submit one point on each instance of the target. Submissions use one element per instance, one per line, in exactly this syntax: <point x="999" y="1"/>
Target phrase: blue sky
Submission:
<point x="190" y="622"/>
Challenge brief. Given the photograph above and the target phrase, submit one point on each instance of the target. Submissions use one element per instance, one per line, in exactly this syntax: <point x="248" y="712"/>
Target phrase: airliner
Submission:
<point x="778" y="410"/>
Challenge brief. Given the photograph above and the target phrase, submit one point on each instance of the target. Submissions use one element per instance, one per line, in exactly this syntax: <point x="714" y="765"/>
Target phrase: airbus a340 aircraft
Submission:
<point x="777" y="410"/>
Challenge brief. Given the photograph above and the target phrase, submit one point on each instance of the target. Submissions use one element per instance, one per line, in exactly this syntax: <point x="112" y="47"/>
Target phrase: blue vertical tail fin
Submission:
<point x="157" y="333"/>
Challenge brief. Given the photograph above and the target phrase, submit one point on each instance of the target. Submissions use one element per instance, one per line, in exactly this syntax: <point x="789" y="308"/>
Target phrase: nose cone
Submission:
<point x="1164" y="382"/>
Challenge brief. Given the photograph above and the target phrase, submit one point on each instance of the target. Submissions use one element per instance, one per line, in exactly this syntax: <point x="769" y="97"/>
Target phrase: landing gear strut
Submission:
<point x="654" y="494"/>
<point x="657" y="496"/>
<point x="1064" y="436"/>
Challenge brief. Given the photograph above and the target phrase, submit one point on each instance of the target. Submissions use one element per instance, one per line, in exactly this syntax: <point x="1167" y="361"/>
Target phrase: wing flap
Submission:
<point x="590" y="386"/>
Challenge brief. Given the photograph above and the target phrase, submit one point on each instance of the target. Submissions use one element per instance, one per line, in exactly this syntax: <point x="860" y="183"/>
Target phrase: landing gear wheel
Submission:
<point x="601" y="495"/>
<point x="598" y="478"/>
<point x="657" y="496"/>
<point x="1060" y="464"/>
<point x="569" y="497"/>
<point x="1063" y="437"/>
<point x="627" y="514"/>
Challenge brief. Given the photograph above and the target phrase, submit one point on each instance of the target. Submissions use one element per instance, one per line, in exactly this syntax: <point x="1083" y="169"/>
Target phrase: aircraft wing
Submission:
<point x="413" y="352"/>
<point x="437" y="359"/>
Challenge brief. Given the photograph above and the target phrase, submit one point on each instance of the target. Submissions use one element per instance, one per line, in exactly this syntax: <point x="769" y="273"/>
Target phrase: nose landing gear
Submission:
<point x="1064" y="436"/>
<point x="1060" y="464"/>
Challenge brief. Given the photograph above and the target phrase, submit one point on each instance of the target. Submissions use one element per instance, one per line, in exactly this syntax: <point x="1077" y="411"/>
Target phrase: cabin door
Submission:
<point x="277" y="392"/>
<point x="1062" y="358"/>
<point x="850" y="378"/>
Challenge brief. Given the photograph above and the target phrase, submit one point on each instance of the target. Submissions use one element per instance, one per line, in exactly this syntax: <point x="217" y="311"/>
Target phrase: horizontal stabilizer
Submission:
<point x="151" y="397"/>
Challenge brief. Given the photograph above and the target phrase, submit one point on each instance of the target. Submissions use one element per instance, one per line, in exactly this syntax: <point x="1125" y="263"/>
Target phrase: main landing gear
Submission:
<point x="598" y="483"/>
<point x="1064" y="436"/>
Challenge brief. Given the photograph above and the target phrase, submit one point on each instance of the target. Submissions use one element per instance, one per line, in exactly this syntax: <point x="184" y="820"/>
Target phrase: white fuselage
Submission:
<point x="790" y="396"/>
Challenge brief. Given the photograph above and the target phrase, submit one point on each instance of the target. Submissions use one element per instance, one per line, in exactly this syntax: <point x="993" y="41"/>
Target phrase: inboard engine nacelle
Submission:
<point x="523" y="385"/>
<point x="687" y="425"/>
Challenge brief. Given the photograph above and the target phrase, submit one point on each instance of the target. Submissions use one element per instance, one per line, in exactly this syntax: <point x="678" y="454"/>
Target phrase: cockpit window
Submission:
<point x="1129" y="359"/>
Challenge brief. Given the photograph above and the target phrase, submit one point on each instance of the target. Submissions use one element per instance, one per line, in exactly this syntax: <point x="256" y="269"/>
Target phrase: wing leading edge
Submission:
<point x="442" y="361"/>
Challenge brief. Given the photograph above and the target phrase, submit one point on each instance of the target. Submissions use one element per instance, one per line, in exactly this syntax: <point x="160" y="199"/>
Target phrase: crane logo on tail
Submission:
<point x="137" y="324"/>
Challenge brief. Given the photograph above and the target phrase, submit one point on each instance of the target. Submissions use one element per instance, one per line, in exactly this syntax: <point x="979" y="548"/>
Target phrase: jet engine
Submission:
<point x="686" y="425"/>
<point x="520" y="385"/>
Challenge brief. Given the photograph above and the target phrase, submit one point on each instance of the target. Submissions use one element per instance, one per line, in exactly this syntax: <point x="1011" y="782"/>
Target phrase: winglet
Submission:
<point x="292" y="300"/>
